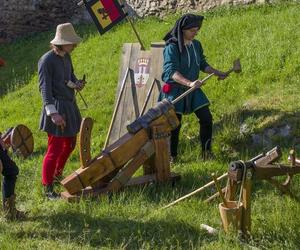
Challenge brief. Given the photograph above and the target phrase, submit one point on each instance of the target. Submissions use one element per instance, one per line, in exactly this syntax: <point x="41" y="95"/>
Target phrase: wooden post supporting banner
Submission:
<point x="128" y="18"/>
<point x="135" y="32"/>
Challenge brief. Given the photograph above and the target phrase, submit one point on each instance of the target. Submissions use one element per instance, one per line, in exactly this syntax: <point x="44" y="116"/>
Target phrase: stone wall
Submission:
<point x="161" y="7"/>
<point x="22" y="17"/>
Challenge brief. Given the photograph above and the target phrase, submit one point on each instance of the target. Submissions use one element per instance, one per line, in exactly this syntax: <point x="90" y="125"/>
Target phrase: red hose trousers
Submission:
<point x="58" y="152"/>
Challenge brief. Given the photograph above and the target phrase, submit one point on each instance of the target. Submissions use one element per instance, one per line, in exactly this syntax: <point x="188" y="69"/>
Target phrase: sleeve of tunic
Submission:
<point x="203" y="62"/>
<point x="171" y="62"/>
<point x="73" y="77"/>
<point x="45" y="81"/>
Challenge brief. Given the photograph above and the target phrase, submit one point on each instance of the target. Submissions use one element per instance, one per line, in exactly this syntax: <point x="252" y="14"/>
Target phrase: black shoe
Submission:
<point x="50" y="193"/>
<point x="208" y="155"/>
<point x="58" y="179"/>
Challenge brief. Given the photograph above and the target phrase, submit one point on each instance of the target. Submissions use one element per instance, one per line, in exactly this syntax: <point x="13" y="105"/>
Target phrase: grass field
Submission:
<point x="266" y="38"/>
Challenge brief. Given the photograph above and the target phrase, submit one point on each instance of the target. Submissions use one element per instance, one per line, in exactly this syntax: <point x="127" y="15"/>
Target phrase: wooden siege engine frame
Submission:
<point x="113" y="169"/>
<point x="262" y="167"/>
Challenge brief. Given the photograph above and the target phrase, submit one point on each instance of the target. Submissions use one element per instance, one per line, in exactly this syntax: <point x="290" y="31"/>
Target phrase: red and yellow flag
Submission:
<point x="105" y="13"/>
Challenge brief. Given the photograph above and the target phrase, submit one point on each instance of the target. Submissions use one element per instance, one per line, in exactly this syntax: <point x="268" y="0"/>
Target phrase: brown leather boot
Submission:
<point x="10" y="211"/>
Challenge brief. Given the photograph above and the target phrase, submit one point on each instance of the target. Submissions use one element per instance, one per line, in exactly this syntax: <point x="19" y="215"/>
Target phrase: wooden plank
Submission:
<point x="271" y="156"/>
<point x="85" y="141"/>
<point x="136" y="181"/>
<point x="149" y="166"/>
<point x="231" y="190"/>
<point x="127" y="172"/>
<point x="103" y="165"/>
<point x="246" y="197"/>
<point x="270" y="170"/>
<point x="135" y="93"/>
<point x="162" y="157"/>
<point x="146" y="179"/>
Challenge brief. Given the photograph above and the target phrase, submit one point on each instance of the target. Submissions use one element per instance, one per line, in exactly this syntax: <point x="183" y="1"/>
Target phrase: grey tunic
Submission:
<point x="54" y="71"/>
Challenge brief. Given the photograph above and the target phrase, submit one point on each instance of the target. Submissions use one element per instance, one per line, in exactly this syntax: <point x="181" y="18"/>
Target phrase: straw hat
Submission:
<point x="65" y="34"/>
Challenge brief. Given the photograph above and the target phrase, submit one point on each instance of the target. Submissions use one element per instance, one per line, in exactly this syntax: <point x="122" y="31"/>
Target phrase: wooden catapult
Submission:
<point x="145" y="144"/>
<point x="241" y="175"/>
<point x="261" y="167"/>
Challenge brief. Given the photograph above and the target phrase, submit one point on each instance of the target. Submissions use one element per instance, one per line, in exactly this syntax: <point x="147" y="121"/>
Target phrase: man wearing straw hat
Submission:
<point x="60" y="116"/>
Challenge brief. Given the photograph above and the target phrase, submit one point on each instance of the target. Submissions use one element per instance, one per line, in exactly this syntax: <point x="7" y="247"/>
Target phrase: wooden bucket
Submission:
<point x="231" y="215"/>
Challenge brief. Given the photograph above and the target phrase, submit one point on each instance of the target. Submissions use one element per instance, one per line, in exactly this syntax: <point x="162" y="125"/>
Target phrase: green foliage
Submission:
<point x="266" y="38"/>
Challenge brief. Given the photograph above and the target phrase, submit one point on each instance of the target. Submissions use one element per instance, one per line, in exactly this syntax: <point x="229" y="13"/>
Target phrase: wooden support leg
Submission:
<point x="246" y="197"/>
<point x="126" y="173"/>
<point x="149" y="166"/>
<point x="162" y="158"/>
<point x="231" y="190"/>
<point x="105" y="180"/>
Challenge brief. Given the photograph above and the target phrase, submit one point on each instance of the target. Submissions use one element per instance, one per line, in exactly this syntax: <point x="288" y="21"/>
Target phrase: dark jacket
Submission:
<point x="54" y="72"/>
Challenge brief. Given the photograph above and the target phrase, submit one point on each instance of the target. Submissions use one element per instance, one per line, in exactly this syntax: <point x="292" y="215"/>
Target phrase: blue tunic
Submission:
<point x="188" y="64"/>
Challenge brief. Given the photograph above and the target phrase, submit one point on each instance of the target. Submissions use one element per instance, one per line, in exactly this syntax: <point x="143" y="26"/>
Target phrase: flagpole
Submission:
<point x="135" y="31"/>
<point x="122" y="2"/>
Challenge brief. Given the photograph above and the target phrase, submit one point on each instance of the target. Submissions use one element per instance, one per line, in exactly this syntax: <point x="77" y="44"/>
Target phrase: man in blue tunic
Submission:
<point x="183" y="60"/>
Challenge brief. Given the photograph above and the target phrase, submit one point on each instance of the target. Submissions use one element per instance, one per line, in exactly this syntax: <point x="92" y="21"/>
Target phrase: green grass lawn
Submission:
<point x="266" y="38"/>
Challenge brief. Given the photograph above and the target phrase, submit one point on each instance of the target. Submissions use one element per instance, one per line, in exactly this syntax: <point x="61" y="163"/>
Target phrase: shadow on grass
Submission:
<point x="115" y="232"/>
